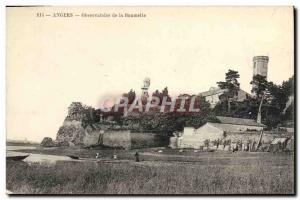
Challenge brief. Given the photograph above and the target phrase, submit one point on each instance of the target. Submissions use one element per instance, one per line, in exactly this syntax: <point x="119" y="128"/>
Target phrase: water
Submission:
<point x="42" y="158"/>
<point x="11" y="148"/>
<point x="33" y="157"/>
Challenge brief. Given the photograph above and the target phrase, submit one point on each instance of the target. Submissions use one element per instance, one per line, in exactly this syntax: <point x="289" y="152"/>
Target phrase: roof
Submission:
<point x="211" y="92"/>
<point x="225" y="127"/>
<point x="239" y="121"/>
<point x="241" y="93"/>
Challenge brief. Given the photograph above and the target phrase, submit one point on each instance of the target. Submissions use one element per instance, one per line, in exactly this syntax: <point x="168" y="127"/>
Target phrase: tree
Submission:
<point x="85" y="114"/>
<point x="275" y="103"/>
<point x="288" y="86"/>
<point x="231" y="87"/>
<point x="130" y="95"/>
<point x="288" y="108"/>
<point x="272" y="99"/>
<point x="263" y="92"/>
<point x="162" y="94"/>
<point x="260" y="85"/>
<point x="165" y="123"/>
<point x="75" y="108"/>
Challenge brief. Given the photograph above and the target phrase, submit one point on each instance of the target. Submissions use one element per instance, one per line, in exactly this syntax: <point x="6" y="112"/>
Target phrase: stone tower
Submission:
<point x="145" y="88"/>
<point x="260" y="65"/>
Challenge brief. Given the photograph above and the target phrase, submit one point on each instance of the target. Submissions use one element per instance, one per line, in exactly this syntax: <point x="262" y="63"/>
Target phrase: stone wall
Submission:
<point x="80" y="129"/>
<point x="144" y="140"/>
<point x="91" y="137"/>
<point x="250" y="136"/>
<point x="231" y="137"/>
<point x="118" y="139"/>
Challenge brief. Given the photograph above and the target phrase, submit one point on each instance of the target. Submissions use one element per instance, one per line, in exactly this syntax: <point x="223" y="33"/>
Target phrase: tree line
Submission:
<point x="268" y="98"/>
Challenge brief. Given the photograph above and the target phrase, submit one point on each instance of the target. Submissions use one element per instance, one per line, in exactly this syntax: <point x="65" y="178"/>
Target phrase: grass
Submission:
<point x="238" y="174"/>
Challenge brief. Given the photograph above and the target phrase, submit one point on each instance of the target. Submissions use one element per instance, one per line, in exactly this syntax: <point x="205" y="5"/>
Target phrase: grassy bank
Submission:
<point x="268" y="175"/>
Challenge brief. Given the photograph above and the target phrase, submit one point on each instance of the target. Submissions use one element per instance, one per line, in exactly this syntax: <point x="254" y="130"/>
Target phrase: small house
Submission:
<point x="213" y="95"/>
<point x="195" y="138"/>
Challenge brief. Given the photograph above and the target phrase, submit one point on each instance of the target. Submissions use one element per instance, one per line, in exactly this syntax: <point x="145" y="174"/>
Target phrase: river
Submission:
<point x="34" y="158"/>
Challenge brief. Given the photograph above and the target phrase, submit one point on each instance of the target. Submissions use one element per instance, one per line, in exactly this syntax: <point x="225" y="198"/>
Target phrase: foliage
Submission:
<point x="167" y="122"/>
<point x="260" y="85"/>
<point x="80" y="112"/>
<point x="231" y="87"/>
<point x="130" y="95"/>
<point x="288" y="86"/>
<point x="162" y="94"/>
<point x="74" y="108"/>
<point x="48" y="142"/>
<point x="274" y="102"/>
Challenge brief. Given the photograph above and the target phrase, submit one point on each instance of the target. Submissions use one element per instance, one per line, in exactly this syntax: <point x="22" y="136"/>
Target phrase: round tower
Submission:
<point x="260" y="65"/>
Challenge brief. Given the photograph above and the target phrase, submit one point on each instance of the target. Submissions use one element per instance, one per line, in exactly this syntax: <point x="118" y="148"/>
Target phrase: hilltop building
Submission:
<point x="214" y="93"/>
<point x="260" y="67"/>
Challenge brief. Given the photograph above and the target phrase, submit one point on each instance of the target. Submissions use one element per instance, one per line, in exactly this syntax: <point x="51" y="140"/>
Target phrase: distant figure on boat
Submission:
<point x="97" y="155"/>
<point x="137" y="159"/>
<point x="115" y="156"/>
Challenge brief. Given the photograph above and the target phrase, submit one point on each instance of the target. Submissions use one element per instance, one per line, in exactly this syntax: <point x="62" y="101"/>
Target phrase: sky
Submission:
<point x="53" y="61"/>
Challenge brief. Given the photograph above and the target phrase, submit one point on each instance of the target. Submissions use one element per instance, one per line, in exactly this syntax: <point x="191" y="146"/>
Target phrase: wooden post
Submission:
<point x="259" y="141"/>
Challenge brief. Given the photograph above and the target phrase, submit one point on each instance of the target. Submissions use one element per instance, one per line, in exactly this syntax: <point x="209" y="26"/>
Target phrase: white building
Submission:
<point x="213" y="95"/>
<point x="194" y="138"/>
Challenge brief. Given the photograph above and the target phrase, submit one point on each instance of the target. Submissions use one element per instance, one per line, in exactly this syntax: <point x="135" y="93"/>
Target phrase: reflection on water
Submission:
<point x="42" y="158"/>
<point x="34" y="158"/>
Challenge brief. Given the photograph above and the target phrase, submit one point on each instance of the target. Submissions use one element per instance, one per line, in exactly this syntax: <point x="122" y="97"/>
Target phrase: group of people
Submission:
<point x="136" y="155"/>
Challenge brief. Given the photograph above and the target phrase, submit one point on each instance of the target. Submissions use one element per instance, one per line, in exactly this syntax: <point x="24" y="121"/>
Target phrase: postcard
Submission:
<point x="152" y="100"/>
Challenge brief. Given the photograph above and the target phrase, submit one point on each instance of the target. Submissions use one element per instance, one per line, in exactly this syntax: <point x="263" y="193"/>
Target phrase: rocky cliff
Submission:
<point x="76" y="133"/>
<point x="71" y="133"/>
<point x="82" y="127"/>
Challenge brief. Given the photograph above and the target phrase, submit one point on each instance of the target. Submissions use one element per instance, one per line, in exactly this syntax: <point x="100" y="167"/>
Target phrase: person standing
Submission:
<point x="137" y="159"/>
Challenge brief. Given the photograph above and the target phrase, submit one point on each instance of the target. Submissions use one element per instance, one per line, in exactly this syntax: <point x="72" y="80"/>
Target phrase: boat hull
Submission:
<point x="16" y="158"/>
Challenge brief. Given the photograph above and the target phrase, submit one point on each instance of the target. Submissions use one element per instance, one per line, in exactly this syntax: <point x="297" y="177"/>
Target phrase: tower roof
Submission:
<point x="265" y="58"/>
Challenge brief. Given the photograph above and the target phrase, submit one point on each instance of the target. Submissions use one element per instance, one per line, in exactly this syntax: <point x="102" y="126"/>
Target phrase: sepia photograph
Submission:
<point x="150" y="100"/>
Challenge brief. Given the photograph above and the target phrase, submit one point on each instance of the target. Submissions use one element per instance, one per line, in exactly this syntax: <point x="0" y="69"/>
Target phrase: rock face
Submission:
<point x="78" y="128"/>
<point x="48" y="142"/>
<point x="82" y="128"/>
<point x="71" y="133"/>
